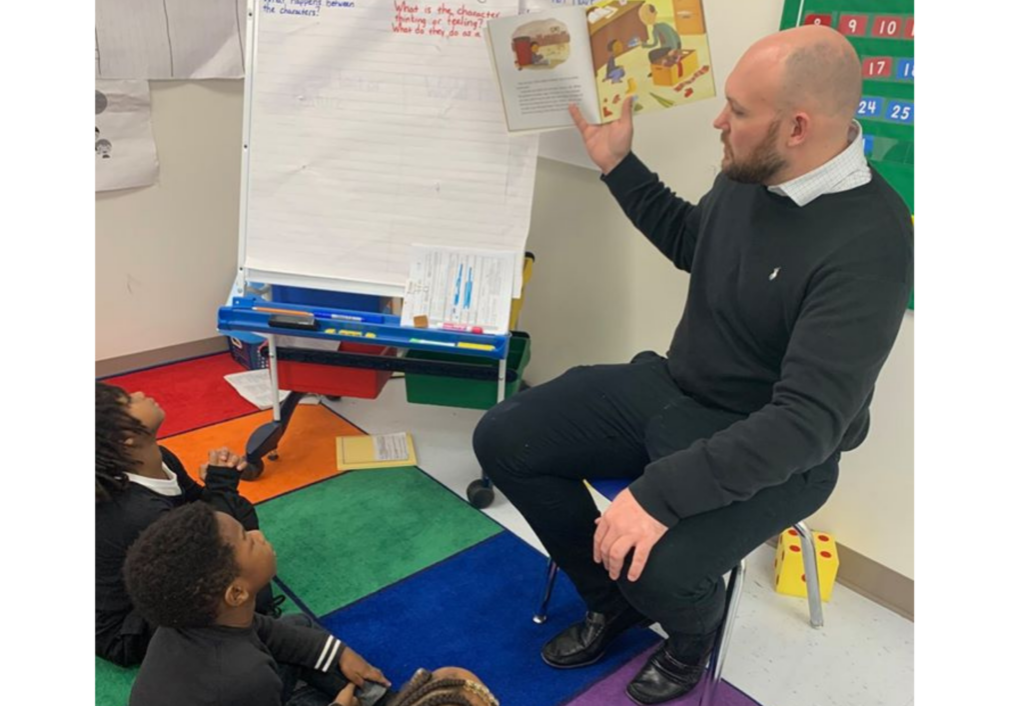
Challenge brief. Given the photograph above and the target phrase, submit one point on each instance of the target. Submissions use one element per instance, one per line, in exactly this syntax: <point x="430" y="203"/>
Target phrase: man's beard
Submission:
<point x="763" y="164"/>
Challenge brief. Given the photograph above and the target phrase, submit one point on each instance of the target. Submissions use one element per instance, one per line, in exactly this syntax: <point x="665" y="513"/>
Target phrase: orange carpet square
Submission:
<point x="307" y="451"/>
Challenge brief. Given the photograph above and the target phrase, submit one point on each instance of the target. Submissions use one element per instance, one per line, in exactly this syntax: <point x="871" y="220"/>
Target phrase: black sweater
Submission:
<point x="219" y="666"/>
<point x="790" y="315"/>
<point x="119" y="521"/>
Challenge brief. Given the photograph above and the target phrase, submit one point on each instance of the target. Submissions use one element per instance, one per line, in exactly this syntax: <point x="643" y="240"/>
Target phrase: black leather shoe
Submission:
<point x="585" y="643"/>
<point x="664" y="678"/>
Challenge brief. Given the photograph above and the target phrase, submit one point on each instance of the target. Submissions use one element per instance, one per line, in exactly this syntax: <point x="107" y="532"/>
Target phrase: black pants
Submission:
<point x="611" y="421"/>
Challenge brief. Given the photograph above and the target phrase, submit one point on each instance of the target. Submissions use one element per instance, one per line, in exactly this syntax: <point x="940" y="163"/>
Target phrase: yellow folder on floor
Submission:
<point x="354" y="453"/>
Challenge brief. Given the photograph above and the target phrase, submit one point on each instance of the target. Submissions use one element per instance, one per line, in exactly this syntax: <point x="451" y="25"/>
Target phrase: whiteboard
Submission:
<point x="361" y="140"/>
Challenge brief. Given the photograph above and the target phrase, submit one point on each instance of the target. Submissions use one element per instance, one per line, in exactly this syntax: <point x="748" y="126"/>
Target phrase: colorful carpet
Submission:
<point x="427" y="582"/>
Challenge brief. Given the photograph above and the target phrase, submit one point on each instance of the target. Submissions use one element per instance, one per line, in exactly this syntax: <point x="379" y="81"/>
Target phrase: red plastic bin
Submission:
<point x="335" y="380"/>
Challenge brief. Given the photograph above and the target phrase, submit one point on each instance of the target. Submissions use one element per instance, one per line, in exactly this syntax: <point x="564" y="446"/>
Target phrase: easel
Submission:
<point x="307" y="171"/>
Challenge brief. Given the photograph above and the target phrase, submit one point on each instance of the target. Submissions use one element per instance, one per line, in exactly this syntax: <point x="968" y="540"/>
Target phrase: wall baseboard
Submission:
<point x="876" y="582"/>
<point x="159" y="356"/>
<point x="869" y="578"/>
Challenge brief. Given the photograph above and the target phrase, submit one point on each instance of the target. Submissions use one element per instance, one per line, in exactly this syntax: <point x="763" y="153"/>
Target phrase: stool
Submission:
<point x="610" y="488"/>
<point x="716" y="662"/>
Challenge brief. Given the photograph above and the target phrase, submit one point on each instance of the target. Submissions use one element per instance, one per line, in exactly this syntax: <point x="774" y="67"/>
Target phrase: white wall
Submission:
<point x="166" y="254"/>
<point x="600" y="293"/>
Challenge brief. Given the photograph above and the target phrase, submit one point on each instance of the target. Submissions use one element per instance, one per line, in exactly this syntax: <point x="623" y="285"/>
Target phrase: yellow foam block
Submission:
<point x="789" y="572"/>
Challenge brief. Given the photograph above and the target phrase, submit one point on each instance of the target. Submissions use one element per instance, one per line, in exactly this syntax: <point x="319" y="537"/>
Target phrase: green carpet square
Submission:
<point x="112" y="683"/>
<point x="345" y="538"/>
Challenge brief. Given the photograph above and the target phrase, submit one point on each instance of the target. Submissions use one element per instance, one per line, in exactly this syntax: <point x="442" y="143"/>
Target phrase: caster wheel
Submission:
<point x="479" y="495"/>
<point x="273" y="455"/>
<point x="253" y="470"/>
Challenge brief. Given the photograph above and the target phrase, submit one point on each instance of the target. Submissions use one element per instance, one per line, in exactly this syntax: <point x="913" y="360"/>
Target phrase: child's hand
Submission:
<point x="346" y="697"/>
<point x="355" y="668"/>
<point x="222" y="457"/>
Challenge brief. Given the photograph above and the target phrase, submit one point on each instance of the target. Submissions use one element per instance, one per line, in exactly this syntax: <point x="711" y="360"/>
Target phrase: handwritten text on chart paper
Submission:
<point x="439" y="20"/>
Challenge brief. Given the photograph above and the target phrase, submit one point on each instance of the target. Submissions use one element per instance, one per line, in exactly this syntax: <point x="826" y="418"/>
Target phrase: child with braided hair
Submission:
<point x="448" y="686"/>
<point x="136" y="482"/>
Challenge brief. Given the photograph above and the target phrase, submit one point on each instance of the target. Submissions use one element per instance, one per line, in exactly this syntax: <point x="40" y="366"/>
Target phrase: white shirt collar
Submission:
<point x="162" y="486"/>
<point x="847" y="170"/>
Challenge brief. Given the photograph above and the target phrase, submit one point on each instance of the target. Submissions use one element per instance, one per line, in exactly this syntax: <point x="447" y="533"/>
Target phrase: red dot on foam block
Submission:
<point x="793" y="533"/>
<point x="823" y="537"/>
<point x="826" y="555"/>
<point x="804" y="578"/>
<point x="794" y="548"/>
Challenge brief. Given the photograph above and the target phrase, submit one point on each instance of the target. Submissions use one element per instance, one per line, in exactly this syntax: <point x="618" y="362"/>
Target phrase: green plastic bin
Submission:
<point x="459" y="392"/>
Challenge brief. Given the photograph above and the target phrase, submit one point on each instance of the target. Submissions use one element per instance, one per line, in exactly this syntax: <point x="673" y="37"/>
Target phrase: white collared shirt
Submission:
<point x="162" y="486"/>
<point x="846" y="171"/>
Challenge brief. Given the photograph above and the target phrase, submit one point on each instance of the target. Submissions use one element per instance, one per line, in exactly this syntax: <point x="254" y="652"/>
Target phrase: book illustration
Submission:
<point x="650" y="50"/>
<point x="596" y="57"/>
<point x="542" y="44"/>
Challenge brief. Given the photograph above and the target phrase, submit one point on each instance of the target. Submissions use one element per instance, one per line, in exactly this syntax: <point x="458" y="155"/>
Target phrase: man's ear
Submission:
<point x="800" y="129"/>
<point x="236" y="594"/>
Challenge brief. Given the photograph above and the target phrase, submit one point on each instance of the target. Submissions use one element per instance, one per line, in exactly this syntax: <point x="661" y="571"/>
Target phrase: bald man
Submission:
<point x="800" y="262"/>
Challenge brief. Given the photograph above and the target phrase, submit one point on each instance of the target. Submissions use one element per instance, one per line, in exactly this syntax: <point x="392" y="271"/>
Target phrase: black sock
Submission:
<point x="691" y="649"/>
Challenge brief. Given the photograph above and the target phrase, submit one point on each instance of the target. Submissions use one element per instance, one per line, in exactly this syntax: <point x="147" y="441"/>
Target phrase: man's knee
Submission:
<point x="661" y="586"/>
<point x="494" y="441"/>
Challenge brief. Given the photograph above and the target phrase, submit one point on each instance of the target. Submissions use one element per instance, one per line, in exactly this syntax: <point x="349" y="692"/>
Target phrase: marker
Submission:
<point x="476" y="346"/>
<point x="361" y="318"/>
<point x="432" y="343"/>
<point x="462" y="327"/>
<point x="292" y="312"/>
<point x="350" y="333"/>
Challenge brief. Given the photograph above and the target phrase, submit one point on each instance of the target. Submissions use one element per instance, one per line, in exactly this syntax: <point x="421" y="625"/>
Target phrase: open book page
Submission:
<point x="543" y="63"/>
<point x="649" y="50"/>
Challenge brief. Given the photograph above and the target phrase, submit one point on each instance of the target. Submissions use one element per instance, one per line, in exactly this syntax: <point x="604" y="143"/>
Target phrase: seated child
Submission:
<point x="195" y="574"/>
<point x="136" y="482"/>
<point x="614" y="72"/>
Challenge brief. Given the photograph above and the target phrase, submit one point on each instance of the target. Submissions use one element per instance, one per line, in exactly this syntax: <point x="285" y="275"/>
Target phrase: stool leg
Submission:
<point x="812" y="574"/>
<point x="541" y="615"/>
<point x="735" y="592"/>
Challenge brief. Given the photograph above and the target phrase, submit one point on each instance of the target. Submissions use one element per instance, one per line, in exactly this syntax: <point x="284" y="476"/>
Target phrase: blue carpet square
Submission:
<point x="474" y="610"/>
